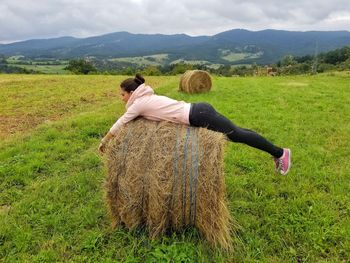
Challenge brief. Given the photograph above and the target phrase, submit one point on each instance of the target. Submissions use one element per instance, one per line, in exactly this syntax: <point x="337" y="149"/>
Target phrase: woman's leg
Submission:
<point x="204" y="115"/>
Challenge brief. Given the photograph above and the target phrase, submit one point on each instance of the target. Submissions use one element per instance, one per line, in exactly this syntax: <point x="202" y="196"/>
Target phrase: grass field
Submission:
<point x="152" y="60"/>
<point x="40" y="66"/>
<point x="233" y="56"/>
<point x="51" y="198"/>
<point x="46" y="69"/>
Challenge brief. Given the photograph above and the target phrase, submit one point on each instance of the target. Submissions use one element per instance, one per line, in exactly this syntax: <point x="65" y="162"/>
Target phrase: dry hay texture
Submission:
<point x="166" y="177"/>
<point x="195" y="81"/>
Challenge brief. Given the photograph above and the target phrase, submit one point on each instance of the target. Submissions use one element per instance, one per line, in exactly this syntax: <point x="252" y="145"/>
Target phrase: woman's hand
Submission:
<point x="102" y="148"/>
<point x="104" y="141"/>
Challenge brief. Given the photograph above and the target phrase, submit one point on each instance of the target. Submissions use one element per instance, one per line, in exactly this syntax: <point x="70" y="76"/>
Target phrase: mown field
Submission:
<point x="51" y="195"/>
<point x="44" y="67"/>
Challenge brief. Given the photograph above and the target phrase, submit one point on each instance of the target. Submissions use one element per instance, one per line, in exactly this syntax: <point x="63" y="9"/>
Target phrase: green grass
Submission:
<point x="29" y="100"/>
<point x="14" y="59"/>
<point x="153" y="60"/>
<point x="40" y="66"/>
<point x="51" y="198"/>
<point x="192" y="62"/>
<point x="47" y="69"/>
<point x="235" y="56"/>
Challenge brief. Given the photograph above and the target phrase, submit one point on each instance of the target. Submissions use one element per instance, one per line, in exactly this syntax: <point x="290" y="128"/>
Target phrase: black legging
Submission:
<point x="204" y="115"/>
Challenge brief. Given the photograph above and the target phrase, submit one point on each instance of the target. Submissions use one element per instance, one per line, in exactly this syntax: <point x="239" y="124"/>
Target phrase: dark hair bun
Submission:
<point x="139" y="79"/>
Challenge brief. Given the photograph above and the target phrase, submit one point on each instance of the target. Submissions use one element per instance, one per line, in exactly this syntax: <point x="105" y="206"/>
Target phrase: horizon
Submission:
<point x="123" y="31"/>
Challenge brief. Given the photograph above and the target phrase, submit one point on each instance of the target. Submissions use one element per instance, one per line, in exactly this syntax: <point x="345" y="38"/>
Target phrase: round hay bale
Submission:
<point x="195" y="81"/>
<point x="167" y="176"/>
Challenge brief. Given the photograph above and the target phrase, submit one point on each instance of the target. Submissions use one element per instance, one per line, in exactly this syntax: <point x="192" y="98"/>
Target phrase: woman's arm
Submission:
<point x="132" y="112"/>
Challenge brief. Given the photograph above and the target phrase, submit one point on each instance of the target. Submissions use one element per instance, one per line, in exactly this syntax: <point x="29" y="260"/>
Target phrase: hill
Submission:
<point x="230" y="47"/>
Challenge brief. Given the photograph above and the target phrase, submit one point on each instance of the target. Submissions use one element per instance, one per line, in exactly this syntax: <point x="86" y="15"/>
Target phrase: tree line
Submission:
<point x="338" y="59"/>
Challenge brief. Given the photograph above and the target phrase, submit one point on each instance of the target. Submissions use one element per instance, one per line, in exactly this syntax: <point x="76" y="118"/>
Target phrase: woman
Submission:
<point x="141" y="101"/>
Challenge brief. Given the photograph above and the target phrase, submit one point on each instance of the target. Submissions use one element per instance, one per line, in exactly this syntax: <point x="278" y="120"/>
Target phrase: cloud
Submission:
<point x="20" y="20"/>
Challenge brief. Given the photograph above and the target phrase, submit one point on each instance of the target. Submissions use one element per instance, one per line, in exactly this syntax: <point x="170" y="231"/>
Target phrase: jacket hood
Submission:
<point x="141" y="91"/>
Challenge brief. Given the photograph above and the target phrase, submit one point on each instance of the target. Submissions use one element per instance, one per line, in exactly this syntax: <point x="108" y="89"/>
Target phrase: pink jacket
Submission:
<point x="143" y="102"/>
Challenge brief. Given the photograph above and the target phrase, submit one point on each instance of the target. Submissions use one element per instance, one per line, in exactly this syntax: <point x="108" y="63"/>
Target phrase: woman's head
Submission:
<point x="129" y="85"/>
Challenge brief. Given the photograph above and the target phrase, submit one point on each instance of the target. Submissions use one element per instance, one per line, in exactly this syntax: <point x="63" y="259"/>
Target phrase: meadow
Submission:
<point x="51" y="175"/>
<point x="44" y="67"/>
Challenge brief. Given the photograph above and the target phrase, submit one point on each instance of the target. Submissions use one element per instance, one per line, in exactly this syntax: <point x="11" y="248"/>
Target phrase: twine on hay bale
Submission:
<point x="168" y="176"/>
<point x="195" y="81"/>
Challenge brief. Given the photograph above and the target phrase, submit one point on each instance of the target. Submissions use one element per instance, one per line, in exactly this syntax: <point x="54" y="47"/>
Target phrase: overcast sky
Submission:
<point x="25" y="19"/>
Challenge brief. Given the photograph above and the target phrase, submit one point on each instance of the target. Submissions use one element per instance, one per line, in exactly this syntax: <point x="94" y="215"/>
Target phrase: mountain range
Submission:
<point x="230" y="47"/>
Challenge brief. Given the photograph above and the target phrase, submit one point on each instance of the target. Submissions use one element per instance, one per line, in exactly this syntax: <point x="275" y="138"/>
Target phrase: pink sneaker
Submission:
<point x="283" y="163"/>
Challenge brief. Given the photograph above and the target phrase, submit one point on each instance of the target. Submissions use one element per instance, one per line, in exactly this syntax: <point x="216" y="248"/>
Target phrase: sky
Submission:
<point x="26" y="19"/>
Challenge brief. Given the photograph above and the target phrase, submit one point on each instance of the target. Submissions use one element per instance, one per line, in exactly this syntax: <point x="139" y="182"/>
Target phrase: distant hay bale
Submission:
<point x="195" y="81"/>
<point x="167" y="176"/>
